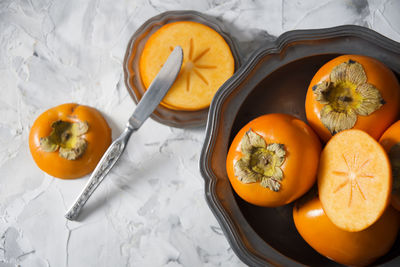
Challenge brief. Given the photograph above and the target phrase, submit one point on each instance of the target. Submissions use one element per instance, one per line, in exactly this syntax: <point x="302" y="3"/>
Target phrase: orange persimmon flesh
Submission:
<point x="349" y="248"/>
<point x="207" y="63"/>
<point x="354" y="180"/>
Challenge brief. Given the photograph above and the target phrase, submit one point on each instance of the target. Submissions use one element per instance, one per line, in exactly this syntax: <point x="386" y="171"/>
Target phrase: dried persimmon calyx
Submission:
<point x="260" y="162"/>
<point x="67" y="138"/>
<point x="345" y="96"/>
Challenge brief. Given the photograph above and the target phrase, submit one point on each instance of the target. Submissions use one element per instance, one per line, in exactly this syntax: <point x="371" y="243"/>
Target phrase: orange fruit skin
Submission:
<point x="348" y="248"/>
<point x="207" y="63"/>
<point x="389" y="138"/>
<point x="377" y="74"/>
<point x="98" y="138"/>
<point x="300" y="166"/>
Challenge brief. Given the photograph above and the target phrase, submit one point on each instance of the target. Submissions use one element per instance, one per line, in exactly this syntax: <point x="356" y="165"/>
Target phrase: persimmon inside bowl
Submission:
<point x="275" y="80"/>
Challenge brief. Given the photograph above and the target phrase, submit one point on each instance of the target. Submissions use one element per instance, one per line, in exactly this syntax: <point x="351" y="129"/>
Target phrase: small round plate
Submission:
<point x="134" y="84"/>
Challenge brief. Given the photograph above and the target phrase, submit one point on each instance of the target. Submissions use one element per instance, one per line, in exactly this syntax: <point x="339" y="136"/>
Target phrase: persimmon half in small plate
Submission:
<point x="354" y="180"/>
<point x="68" y="141"/>
<point x="207" y="63"/>
<point x="390" y="141"/>
<point x="349" y="248"/>
<point x="273" y="160"/>
<point x="352" y="91"/>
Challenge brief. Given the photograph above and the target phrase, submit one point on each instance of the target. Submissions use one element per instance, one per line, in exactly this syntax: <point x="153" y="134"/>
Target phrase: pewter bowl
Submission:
<point x="275" y="80"/>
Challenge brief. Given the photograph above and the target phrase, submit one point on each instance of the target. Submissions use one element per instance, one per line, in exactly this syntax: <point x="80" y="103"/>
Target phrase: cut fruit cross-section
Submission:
<point x="207" y="63"/>
<point x="354" y="180"/>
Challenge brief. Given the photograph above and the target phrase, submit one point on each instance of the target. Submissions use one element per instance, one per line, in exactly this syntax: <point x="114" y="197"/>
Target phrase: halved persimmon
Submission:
<point x="349" y="248"/>
<point x="273" y="160"/>
<point x="390" y="141"/>
<point x="352" y="91"/>
<point x="207" y="63"/>
<point x="68" y="141"/>
<point x="354" y="180"/>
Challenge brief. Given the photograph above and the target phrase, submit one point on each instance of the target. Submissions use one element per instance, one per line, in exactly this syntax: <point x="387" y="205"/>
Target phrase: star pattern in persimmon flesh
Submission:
<point x="352" y="175"/>
<point x="192" y="67"/>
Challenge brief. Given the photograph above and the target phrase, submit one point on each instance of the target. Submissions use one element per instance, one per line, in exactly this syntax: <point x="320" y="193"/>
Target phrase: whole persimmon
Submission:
<point x="352" y="91"/>
<point x="348" y="248"/>
<point x="273" y="160"/>
<point x="390" y="141"/>
<point x="68" y="141"/>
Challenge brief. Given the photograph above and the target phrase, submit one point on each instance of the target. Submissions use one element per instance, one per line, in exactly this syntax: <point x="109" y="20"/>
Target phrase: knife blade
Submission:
<point x="150" y="100"/>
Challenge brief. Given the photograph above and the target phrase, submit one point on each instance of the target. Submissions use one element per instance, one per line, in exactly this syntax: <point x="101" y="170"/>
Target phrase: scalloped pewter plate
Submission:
<point x="133" y="82"/>
<point x="275" y="80"/>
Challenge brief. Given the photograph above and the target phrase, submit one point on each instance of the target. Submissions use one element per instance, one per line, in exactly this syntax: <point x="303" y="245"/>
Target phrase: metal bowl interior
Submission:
<point x="275" y="80"/>
<point x="133" y="82"/>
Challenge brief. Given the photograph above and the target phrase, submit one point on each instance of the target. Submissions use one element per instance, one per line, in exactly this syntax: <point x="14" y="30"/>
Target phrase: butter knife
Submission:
<point x="150" y="100"/>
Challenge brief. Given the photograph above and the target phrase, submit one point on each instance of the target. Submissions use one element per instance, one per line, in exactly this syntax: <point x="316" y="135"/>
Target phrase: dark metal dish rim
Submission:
<point x="276" y="47"/>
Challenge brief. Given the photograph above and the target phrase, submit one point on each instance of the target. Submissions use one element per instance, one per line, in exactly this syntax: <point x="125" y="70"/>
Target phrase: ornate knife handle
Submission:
<point x="103" y="167"/>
